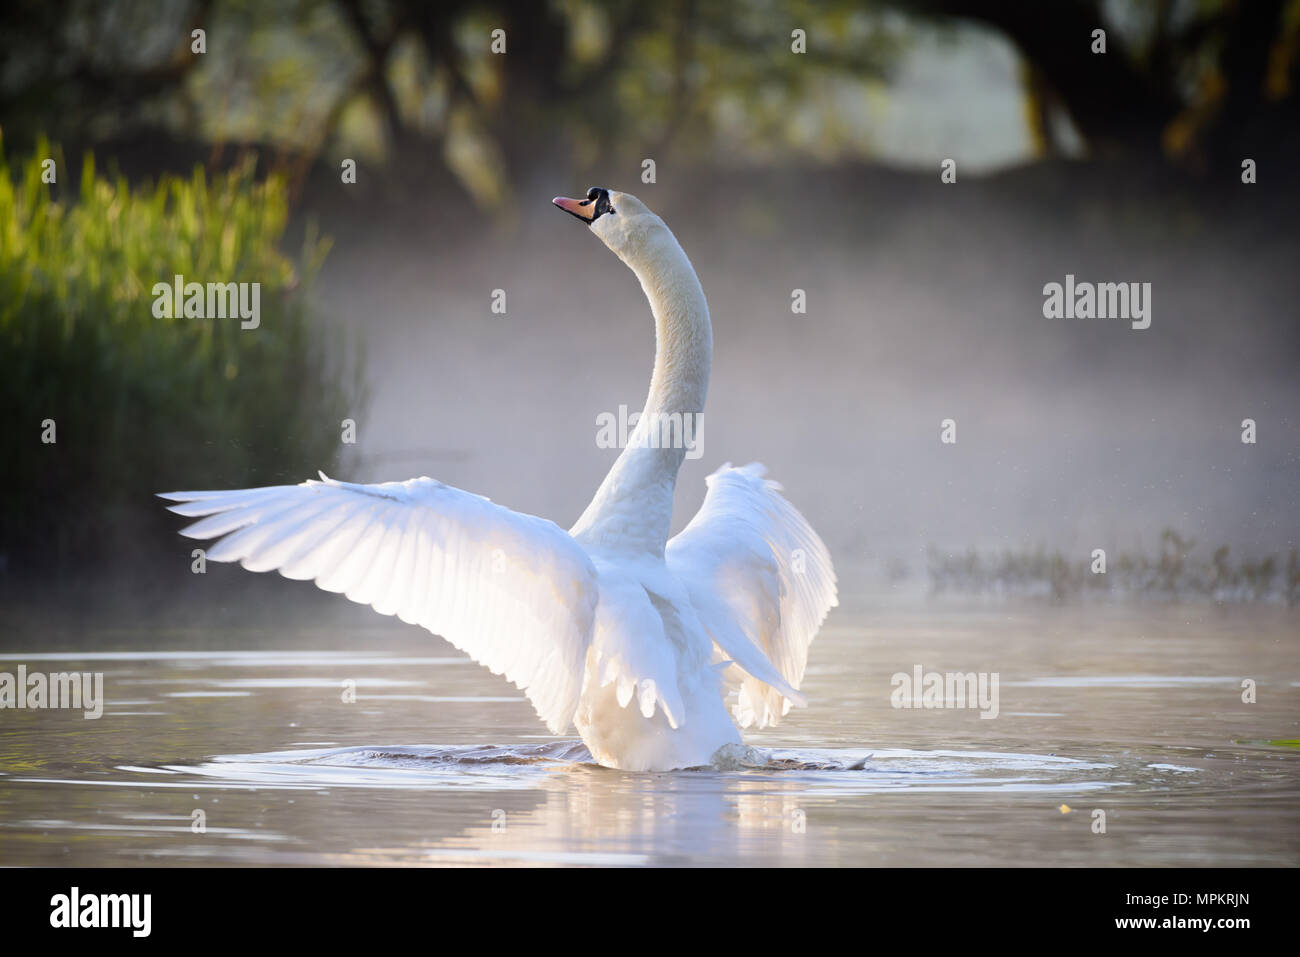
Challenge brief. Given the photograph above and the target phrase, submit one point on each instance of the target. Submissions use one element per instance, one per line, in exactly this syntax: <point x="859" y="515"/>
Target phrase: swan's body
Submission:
<point x="633" y="638"/>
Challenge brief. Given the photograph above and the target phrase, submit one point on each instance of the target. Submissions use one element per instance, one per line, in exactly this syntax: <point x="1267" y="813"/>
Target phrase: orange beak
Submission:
<point x="584" y="209"/>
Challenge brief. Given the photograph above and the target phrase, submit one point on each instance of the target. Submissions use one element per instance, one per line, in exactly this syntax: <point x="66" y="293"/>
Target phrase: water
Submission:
<point x="1136" y="713"/>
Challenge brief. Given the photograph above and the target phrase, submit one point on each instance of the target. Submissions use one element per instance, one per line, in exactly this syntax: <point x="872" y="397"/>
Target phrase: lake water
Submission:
<point x="1133" y="712"/>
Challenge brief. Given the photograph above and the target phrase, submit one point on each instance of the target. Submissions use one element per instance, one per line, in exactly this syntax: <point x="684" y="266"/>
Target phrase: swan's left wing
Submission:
<point x="762" y="583"/>
<point x="514" y="592"/>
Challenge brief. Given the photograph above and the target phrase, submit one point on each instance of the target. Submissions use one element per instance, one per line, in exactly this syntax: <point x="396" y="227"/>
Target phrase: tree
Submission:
<point x="1196" y="90"/>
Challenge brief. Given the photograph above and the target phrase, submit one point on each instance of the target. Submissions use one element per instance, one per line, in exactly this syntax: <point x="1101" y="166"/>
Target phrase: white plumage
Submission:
<point x="610" y="627"/>
<point x="513" y="592"/>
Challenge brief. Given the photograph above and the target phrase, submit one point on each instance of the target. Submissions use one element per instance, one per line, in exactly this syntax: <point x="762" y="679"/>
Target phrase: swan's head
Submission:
<point x="622" y="221"/>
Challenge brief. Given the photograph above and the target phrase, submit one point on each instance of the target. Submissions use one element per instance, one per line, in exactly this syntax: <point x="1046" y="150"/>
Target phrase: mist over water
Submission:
<point x="925" y="302"/>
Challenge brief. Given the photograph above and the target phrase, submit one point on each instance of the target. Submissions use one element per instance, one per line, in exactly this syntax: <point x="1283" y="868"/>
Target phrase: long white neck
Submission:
<point x="633" y="507"/>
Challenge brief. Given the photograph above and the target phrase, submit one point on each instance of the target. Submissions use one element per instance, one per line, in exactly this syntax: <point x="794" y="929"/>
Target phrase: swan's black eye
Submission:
<point x="600" y="196"/>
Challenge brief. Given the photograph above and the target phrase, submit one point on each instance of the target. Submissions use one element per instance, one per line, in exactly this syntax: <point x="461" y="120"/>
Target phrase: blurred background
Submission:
<point x="777" y="170"/>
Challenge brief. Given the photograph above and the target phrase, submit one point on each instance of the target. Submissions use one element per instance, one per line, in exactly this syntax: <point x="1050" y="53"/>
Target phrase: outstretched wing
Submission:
<point x="762" y="583"/>
<point x="514" y="592"/>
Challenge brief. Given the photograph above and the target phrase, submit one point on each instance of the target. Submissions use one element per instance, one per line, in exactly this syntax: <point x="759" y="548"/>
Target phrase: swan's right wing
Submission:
<point x="514" y="592"/>
<point x="762" y="583"/>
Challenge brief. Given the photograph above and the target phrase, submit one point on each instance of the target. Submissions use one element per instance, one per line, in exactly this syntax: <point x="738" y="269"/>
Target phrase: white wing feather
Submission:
<point x="762" y="583"/>
<point x="514" y="592"/>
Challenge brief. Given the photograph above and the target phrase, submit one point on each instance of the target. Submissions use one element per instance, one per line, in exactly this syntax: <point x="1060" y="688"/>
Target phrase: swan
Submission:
<point x="655" y="649"/>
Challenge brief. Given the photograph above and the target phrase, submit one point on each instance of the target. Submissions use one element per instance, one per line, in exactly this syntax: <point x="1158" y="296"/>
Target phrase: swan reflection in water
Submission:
<point x="550" y="804"/>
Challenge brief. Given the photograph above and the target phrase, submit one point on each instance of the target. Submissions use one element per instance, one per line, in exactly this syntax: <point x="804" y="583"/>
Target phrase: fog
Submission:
<point x="779" y="169"/>
<point x="925" y="302"/>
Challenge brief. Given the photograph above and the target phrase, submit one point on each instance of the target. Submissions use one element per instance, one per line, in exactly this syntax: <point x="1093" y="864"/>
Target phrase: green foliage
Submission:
<point x="142" y="404"/>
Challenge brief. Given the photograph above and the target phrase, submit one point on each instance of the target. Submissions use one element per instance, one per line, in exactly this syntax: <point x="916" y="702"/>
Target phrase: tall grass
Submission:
<point x="1176" y="573"/>
<point x="142" y="404"/>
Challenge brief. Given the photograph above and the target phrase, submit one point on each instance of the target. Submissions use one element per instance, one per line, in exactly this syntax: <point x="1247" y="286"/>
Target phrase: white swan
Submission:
<point x="634" y="639"/>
